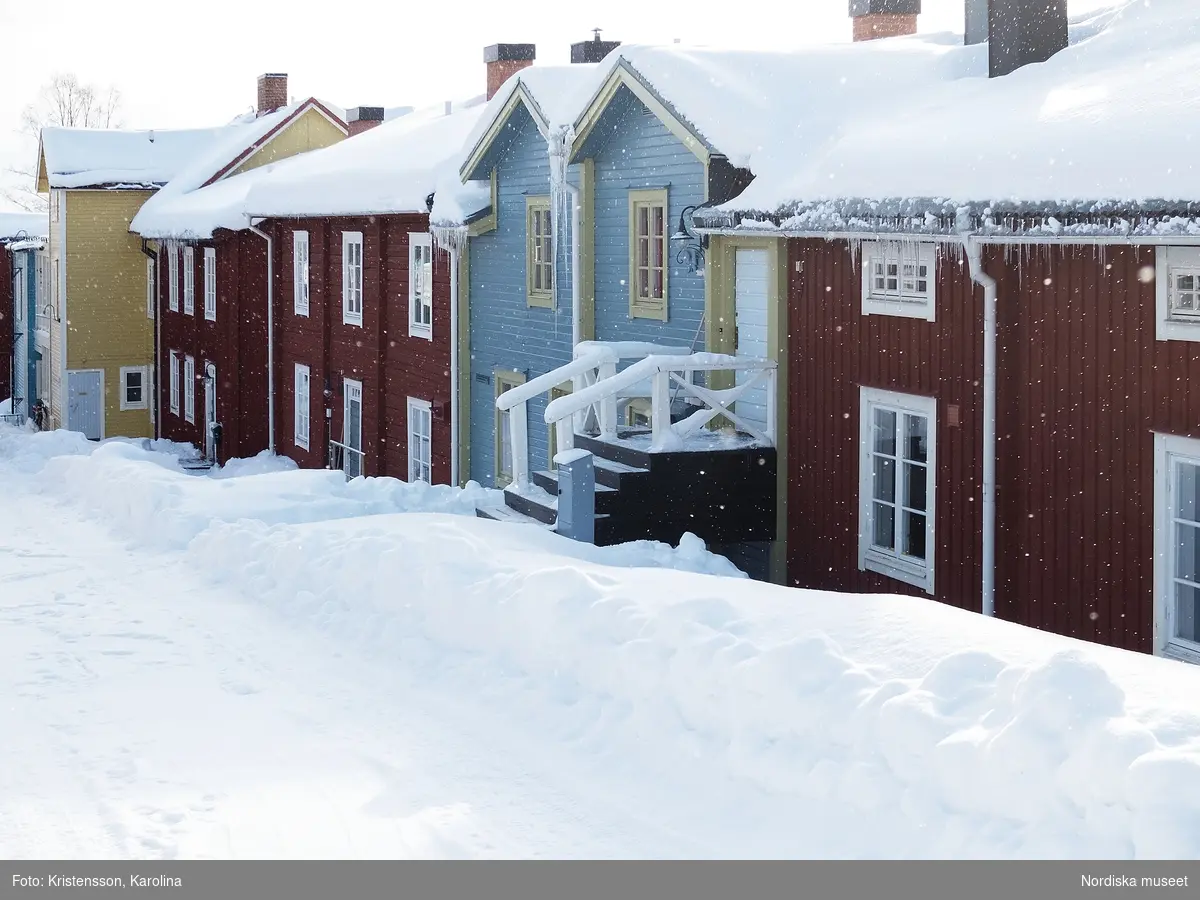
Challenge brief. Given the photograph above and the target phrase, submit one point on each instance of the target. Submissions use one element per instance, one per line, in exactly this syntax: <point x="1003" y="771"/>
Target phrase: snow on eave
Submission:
<point x="26" y="244"/>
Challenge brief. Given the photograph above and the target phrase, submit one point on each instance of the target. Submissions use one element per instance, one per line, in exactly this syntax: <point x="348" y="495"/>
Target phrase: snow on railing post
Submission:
<point x="660" y="407"/>
<point x="772" y="387"/>
<point x="608" y="405"/>
<point x="519" y="419"/>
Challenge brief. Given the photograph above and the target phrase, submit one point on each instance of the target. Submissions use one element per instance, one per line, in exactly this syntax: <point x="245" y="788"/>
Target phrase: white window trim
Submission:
<point x="1168" y="328"/>
<point x="349" y="316"/>
<point x="151" y="293"/>
<point x="1168" y="447"/>
<point x="870" y="558"/>
<point x="303" y="410"/>
<point x="874" y="305"/>
<point x="144" y="372"/>
<point x="189" y="281"/>
<point x="189" y="389"/>
<point x="419" y="329"/>
<point x="210" y="284"/>
<point x="425" y="407"/>
<point x="300" y="273"/>
<point x="175" y="379"/>
<point x="173" y="277"/>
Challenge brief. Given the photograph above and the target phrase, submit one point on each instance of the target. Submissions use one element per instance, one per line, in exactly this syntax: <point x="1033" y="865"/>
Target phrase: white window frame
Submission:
<point x="300" y="285"/>
<point x="1169" y="450"/>
<point x="1170" y="262"/>
<point x="420" y="465"/>
<point x="189" y="281"/>
<point x="189" y="389"/>
<point x="894" y="564"/>
<point x="884" y="301"/>
<point x="173" y="277"/>
<point x="420" y="302"/>
<point x="126" y="371"/>
<point x="151" y="293"/>
<point x="303" y="406"/>
<point x="210" y="284"/>
<point x="352" y="279"/>
<point x="174" y="382"/>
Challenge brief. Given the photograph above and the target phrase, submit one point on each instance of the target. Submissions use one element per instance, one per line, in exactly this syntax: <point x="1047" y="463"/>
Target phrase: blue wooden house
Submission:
<point x="592" y="302"/>
<point x="28" y="270"/>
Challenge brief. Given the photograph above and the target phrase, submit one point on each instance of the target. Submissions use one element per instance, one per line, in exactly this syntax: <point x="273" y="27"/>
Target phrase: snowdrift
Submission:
<point x="892" y="727"/>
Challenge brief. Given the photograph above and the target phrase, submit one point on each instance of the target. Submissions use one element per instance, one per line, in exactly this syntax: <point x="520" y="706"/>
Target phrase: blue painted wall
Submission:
<point x="24" y="348"/>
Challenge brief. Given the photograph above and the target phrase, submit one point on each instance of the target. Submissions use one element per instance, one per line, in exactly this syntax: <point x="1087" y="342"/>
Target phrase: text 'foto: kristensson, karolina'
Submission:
<point x="1132" y="881"/>
<point x="92" y="881"/>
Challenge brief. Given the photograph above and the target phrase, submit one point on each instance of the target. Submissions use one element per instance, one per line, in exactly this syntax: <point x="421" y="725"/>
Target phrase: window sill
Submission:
<point x="208" y="318"/>
<point x="1181" y="654"/>
<point x="357" y="323"/>
<point x="540" y="301"/>
<point x="420" y="331"/>
<point x="142" y="406"/>
<point x="301" y="312"/>
<point x="646" y="311"/>
<point x="1171" y="329"/>
<point x="303" y="445"/>
<point x="873" y="306"/>
<point x="892" y="568"/>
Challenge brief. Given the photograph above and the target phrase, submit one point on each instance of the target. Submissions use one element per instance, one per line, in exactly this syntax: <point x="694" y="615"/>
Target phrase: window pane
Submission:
<point x="914" y="486"/>
<point x="643" y="221"/>
<point x="643" y="252"/>
<point x="658" y="220"/>
<point x="1187" y="489"/>
<point x="885" y="432"/>
<point x="914" y="535"/>
<point x="656" y="284"/>
<point x="643" y="283"/>
<point x="884" y="479"/>
<point x="916" y="438"/>
<point x="1184" y="625"/>
<point x="1187" y="538"/>
<point x="883" y="532"/>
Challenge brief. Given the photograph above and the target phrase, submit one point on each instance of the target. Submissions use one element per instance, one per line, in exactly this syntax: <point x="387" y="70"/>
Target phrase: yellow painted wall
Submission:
<point x="107" y="326"/>
<point x="311" y="131"/>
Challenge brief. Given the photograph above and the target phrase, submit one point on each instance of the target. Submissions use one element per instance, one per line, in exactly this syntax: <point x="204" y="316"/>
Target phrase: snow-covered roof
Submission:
<point x="91" y="157"/>
<point x="23" y="225"/>
<point x="1105" y="128"/>
<point x="393" y="168"/>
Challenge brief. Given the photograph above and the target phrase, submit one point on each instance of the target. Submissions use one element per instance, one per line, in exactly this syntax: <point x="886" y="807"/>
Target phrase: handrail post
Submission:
<point x="608" y="405"/>
<point x="518" y="418"/>
<point x="660" y="407"/>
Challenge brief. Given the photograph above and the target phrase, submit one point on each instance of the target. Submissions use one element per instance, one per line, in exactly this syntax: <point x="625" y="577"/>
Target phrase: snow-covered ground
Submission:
<point x="275" y="663"/>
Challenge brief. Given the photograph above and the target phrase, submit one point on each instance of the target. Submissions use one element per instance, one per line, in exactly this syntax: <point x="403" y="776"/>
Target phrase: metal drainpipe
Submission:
<point x="975" y="259"/>
<point x="454" y="363"/>
<point x="270" y="332"/>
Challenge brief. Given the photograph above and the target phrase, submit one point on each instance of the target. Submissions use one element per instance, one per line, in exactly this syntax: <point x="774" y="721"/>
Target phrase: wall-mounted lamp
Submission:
<point x="689" y="245"/>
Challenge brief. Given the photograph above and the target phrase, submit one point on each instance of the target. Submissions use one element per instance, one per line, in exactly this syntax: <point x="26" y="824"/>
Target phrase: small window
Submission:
<point x="303" y="406"/>
<point x="352" y="278"/>
<point x="539" y="254"/>
<point x="897" y="476"/>
<point x="899" y="279"/>
<point x="210" y="284"/>
<point x="648" y="268"/>
<point x="189" y="389"/>
<point x="151" y="295"/>
<point x="134" y="388"/>
<point x="173" y="277"/>
<point x="1177" y="293"/>
<point x="300" y="272"/>
<point x="505" y="381"/>
<point x="420" y="440"/>
<point x="1177" y="546"/>
<point x="420" y="285"/>
<point x="174" y="382"/>
<point x="189" y="281"/>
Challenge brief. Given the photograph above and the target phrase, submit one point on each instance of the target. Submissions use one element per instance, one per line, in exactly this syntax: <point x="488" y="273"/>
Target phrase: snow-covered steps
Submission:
<point x="508" y="514"/>
<point x="606" y="496"/>
<point x="195" y="466"/>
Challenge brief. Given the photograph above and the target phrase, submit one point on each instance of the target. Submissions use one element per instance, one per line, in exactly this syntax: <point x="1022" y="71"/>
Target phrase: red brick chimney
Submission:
<point x="363" y="118"/>
<point x="272" y="92"/>
<point x="503" y="60"/>
<point x="875" y="19"/>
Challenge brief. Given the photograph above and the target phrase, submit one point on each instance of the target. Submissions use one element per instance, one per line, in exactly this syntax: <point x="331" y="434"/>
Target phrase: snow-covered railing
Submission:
<point x="660" y="374"/>
<point x="346" y="458"/>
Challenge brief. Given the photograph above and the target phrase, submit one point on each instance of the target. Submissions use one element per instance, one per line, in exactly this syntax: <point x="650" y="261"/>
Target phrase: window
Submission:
<point x="505" y="381"/>
<point x="135" y="389"/>
<point x="189" y="281"/>
<point x="897" y="475"/>
<point x="420" y="440"/>
<point x="1177" y="293"/>
<point x="300" y="272"/>
<point x="648" y="254"/>
<point x="352" y="278"/>
<point x="210" y="284"/>
<point x="898" y="279"/>
<point x="303" y="406"/>
<point x="150" y="294"/>
<point x="420" y="286"/>
<point x="539" y="253"/>
<point x="1177" y="546"/>
<point x="189" y="389"/>
<point x="173" y="277"/>
<point x="174" y="382"/>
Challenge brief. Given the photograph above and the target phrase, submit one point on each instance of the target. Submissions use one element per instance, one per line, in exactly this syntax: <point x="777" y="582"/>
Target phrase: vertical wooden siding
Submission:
<point x="6" y="324"/>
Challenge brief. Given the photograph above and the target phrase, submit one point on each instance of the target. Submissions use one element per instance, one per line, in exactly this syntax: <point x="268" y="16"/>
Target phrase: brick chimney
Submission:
<point x="363" y="118"/>
<point x="592" y="51"/>
<point x="875" y="19"/>
<point x="503" y="60"/>
<point x="272" y="92"/>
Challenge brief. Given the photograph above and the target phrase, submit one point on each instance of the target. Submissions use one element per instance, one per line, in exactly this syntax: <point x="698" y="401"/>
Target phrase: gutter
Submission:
<point x="157" y="338"/>
<point x="974" y="251"/>
<point x="270" y="331"/>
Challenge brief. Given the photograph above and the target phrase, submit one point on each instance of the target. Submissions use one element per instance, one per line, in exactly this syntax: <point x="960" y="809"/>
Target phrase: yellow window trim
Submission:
<point x="503" y="378"/>
<point x="640" y="308"/>
<point x="487" y="223"/>
<point x="543" y="297"/>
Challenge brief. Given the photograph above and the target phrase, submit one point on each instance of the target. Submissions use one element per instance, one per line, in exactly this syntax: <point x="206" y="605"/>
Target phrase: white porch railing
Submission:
<point x="599" y="391"/>
<point x="346" y="458"/>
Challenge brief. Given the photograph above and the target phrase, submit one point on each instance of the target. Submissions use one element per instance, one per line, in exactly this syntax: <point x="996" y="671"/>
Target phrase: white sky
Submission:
<point x="197" y="64"/>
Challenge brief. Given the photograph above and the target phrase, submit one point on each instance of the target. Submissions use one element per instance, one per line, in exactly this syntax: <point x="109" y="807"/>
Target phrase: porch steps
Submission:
<point x="508" y="514"/>
<point x="195" y="466"/>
